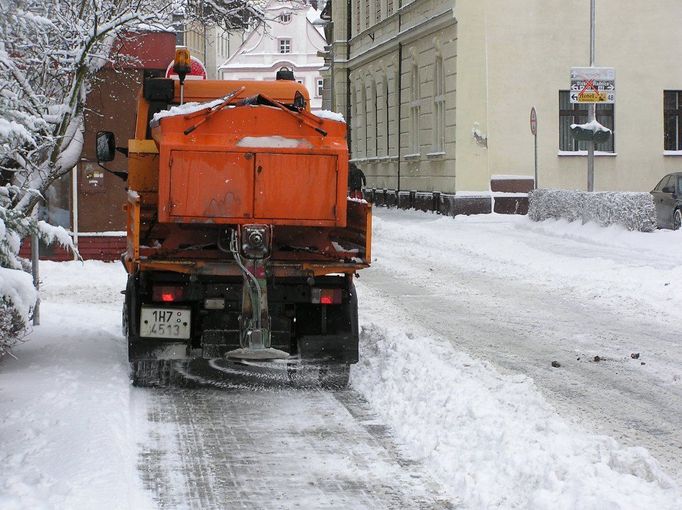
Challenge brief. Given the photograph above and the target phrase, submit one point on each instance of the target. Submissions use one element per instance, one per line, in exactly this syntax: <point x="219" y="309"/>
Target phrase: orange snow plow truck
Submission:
<point x="242" y="242"/>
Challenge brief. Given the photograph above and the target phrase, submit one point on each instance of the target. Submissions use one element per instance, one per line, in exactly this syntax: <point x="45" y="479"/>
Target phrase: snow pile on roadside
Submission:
<point x="67" y="428"/>
<point x="635" y="211"/>
<point x="492" y="440"/>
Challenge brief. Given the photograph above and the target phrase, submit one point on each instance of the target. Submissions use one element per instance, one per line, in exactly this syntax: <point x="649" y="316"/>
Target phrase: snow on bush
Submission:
<point x="634" y="211"/>
<point x="17" y="299"/>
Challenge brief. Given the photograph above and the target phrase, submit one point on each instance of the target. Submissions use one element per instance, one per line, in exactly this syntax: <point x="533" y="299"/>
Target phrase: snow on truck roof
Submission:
<point x="192" y="107"/>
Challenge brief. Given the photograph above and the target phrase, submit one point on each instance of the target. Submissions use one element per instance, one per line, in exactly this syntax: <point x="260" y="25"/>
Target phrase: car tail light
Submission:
<point x="326" y="296"/>
<point x="168" y="293"/>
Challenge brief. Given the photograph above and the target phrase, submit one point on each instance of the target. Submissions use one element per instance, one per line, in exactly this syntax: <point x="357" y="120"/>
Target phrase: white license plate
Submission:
<point x="165" y="322"/>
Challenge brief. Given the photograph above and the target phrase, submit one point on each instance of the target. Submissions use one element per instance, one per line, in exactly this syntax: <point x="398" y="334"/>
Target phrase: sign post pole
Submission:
<point x="593" y="107"/>
<point x="534" y="130"/>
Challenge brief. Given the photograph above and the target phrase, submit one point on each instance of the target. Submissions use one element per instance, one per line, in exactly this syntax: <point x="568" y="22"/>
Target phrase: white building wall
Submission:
<point x="502" y="58"/>
<point x="547" y="39"/>
<point x="259" y="56"/>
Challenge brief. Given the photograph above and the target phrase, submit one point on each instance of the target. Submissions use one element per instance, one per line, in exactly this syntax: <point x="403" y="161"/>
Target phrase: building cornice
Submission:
<point x="405" y="36"/>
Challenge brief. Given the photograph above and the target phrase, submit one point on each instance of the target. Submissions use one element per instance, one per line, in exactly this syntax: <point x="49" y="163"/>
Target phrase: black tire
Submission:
<point x="677" y="219"/>
<point x="158" y="373"/>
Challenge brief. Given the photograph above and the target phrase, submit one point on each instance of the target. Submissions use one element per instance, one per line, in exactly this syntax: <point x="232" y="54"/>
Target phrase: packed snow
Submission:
<point x="593" y="126"/>
<point x="327" y="114"/>
<point x="274" y="142"/>
<point x="186" y="109"/>
<point x="73" y="432"/>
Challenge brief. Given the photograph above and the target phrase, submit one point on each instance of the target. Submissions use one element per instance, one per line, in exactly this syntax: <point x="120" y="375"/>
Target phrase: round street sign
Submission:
<point x="198" y="70"/>
<point x="533" y="121"/>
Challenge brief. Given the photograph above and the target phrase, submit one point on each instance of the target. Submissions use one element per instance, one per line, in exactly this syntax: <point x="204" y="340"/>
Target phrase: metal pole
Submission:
<point x="592" y="111"/>
<point x="35" y="271"/>
<point x="74" y="207"/>
<point x="535" y="136"/>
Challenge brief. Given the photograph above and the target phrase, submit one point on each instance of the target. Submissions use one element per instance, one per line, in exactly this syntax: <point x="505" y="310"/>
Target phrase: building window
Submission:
<point x="320" y="87"/>
<point x="285" y="17"/>
<point x="386" y="117"/>
<point x="415" y="106"/>
<point x="574" y="113"/>
<point x="285" y="45"/>
<point x="438" y="106"/>
<point x="375" y="117"/>
<point x="672" y="120"/>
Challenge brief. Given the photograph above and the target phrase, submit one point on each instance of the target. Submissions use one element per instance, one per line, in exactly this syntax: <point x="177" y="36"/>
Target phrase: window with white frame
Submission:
<point x="415" y="107"/>
<point x="576" y="113"/>
<point x="438" y="106"/>
<point x="285" y="45"/>
<point x="320" y="86"/>
<point x="285" y="17"/>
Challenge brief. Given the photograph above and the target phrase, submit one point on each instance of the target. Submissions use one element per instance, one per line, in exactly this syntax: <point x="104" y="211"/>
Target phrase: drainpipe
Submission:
<point x="400" y="101"/>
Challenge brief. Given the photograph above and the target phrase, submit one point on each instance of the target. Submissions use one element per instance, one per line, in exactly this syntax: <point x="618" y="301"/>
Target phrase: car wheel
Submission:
<point x="677" y="219"/>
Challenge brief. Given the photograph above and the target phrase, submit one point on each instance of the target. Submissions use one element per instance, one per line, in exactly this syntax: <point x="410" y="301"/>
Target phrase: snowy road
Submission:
<point x="454" y="403"/>
<point x="522" y="295"/>
<point x="273" y="447"/>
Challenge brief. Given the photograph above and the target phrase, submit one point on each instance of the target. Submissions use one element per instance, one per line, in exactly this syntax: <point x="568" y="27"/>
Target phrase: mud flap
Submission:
<point x="331" y="348"/>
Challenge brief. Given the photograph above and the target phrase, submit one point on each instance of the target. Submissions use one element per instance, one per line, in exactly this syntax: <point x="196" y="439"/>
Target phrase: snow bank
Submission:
<point x="634" y="211"/>
<point x="492" y="440"/>
<point x="70" y="423"/>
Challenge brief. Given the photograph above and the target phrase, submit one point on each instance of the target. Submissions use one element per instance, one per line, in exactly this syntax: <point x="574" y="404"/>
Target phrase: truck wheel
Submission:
<point x="677" y="219"/>
<point x="334" y="376"/>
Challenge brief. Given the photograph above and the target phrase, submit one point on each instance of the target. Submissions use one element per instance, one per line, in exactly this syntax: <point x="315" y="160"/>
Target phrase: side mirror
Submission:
<point x="105" y="146"/>
<point x="668" y="189"/>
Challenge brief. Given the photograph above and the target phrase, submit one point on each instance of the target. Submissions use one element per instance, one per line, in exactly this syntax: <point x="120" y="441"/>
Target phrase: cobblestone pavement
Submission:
<point x="249" y="440"/>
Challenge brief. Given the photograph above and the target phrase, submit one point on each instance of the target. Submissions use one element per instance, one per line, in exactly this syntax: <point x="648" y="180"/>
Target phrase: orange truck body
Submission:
<point x="193" y="177"/>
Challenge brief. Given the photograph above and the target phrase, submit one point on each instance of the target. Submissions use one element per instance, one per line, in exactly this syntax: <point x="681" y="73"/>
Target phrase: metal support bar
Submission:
<point x="35" y="271"/>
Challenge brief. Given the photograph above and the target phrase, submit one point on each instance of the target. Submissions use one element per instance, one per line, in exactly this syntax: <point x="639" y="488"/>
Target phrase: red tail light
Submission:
<point x="168" y="293"/>
<point x="327" y="296"/>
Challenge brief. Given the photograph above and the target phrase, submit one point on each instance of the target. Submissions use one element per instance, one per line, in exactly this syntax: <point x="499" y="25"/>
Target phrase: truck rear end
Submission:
<point x="242" y="243"/>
